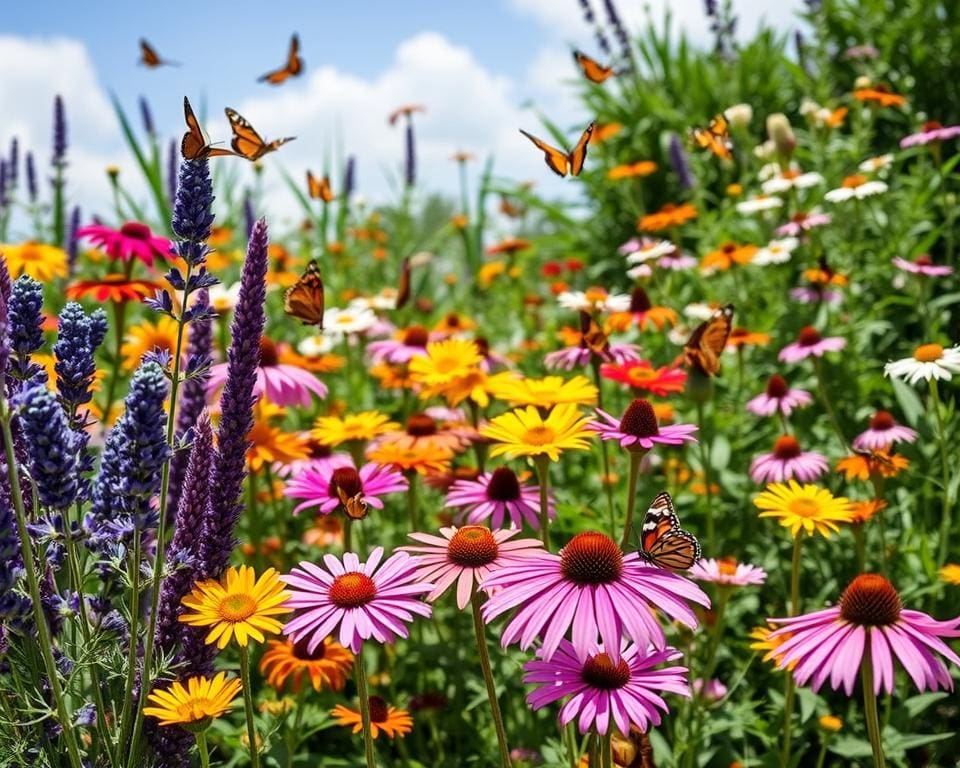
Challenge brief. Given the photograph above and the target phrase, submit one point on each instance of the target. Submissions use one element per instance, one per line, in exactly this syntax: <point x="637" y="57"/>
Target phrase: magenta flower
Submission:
<point x="810" y="343"/>
<point x="466" y="556"/>
<point x="884" y="431"/>
<point x="788" y="461"/>
<point x="405" y="345"/>
<point x="594" y="587"/>
<point x="830" y="644"/>
<point x="727" y="572"/>
<point x="320" y="456"/>
<point x="496" y="495"/>
<point x="321" y="485"/>
<point x="922" y="265"/>
<point x="778" y="397"/>
<point x="627" y="690"/>
<point x="132" y="241"/>
<point x="805" y="294"/>
<point x="637" y="429"/>
<point x="932" y="131"/>
<point x="713" y="691"/>
<point x="803" y="222"/>
<point x="280" y="383"/>
<point x="579" y="357"/>
<point x="356" y="598"/>
<point x="677" y="261"/>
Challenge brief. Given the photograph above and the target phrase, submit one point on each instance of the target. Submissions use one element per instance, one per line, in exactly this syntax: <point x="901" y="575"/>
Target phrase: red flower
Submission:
<point x="132" y="241"/>
<point x="115" y="288"/>
<point x="641" y="375"/>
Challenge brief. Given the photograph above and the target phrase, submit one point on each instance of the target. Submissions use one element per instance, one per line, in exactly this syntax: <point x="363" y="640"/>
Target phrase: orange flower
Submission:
<point x="406" y="110"/>
<point x="390" y="720"/>
<point x="423" y="460"/>
<point x="740" y="337"/>
<point x="727" y="255"/>
<point x="459" y="221"/>
<point x="323" y="363"/>
<point x="835" y="119"/>
<point x="669" y="216"/>
<point x="864" y="510"/>
<point x="327" y="667"/>
<point x="454" y="323"/>
<point x="509" y="245"/>
<point x="391" y="376"/>
<point x="605" y="131"/>
<point x="327" y="531"/>
<point x="864" y="466"/>
<point x="115" y="288"/>
<point x="880" y="95"/>
<point x="640" y="169"/>
<point x="824" y="277"/>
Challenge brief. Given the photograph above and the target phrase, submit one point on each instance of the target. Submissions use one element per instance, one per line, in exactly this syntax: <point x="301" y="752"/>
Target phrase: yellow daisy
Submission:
<point x="239" y="605"/>
<point x="146" y="337"/>
<point x="195" y="705"/>
<point x="545" y="392"/>
<point x="807" y="507"/>
<point x="41" y="261"/>
<point x="360" y="427"/>
<point x="422" y="459"/>
<point x="950" y="573"/>
<point x="444" y="362"/>
<point x="526" y="433"/>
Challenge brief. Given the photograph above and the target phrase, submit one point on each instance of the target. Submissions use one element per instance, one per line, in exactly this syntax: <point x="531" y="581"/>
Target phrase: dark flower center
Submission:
<point x="345" y="479"/>
<point x="319" y="450"/>
<point x="135" y="231"/>
<point x="483" y="345"/>
<point x="503" y="485"/>
<point x="427" y="700"/>
<point x="809" y="336"/>
<point x="882" y="421"/>
<point x="351" y="590"/>
<point x="268" y="353"/>
<point x="300" y="650"/>
<point x="416" y="336"/>
<point x="378" y="710"/>
<point x="591" y="558"/>
<point x="639" y="420"/>
<point x="871" y="601"/>
<point x="472" y="546"/>
<point x="786" y="447"/>
<point x="728" y="248"/>
<point x="421" y="425"/>
<point x="639" y="301"/>
<point x="923" y="260"/>
<point x="932" y="125"/>
<point x="600" y="672"/>
<point x="777" y="387"/>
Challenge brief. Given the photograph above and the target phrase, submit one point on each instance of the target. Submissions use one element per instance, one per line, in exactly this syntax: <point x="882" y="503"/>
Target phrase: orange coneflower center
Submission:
<point x="786" y="447"/>
<point x="727" y="566"/>
<point x="923" y="260"/>
<point x="777" y="387"/>
<point x="268" y="353"/>
<point x="639" y="420"/>
<point x="472" y="546"/>
<point x="870" y="600"/>
<point x="882" y="420"/>
<point x="421" y="425"/>
<point x="378" y="710"/>
<point x="135" y="230"/>
<point x="351" y="590"/>
<point x="856" y="180"/>
<point x="503" y="485"/>
<point x="416" y="336"/>
<point x="194" y="709"/>
<point x="639" y="301"/>
<point x="300" y="650"/>
<point x="345" y="479"/>
<point x="236" y="608"/>
<point x="539" y="435"/>
<point x="591" y="558"/>
<point x="600" y="672"/>
<point x="928" y="353"/>
<point x="809" y="336"/>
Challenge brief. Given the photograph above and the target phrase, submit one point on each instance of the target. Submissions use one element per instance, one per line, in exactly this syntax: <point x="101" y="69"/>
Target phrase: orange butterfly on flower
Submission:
<point x="560" y="162"/>
<point x="194" y="144"/>
<point x="246" y="141"/>
<point x="708" y="341"/>
<point x="715" y="138"/>
<point x="319" y="189"/>
<point x="304" y="299"/>
<point x="150" y="58"/>
<point x="292" y="68"/>
<point x="592" y="69"/>
<point x="663" y="542"/>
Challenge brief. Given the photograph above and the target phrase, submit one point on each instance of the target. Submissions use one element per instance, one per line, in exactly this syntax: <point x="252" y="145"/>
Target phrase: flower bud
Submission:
<point x="781" y="134"/>
<point x="739" y="115"/>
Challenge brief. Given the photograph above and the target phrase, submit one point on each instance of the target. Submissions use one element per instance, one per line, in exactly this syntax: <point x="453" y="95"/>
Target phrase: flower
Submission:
<point x="830" y="723"/>
<point x="808" y="507"/>
<point x="194" y="705"/>
<point x="884" y="431"/>
<point x="581" y="355"/>
<point x="869" y="618"/>
<point x="862" y="511"/>
<point x="802" y="222"/>
<point x="240" y="605"/>
<point x="726" y="256"/>
<point x="423" y="459"/>
<point x="327" y="666"/>
<point x="338" y="323"/>
<point x="950" y="573"/>
<point x="931" y="131"/>
<point x="594" y="300"/>
<point x="784" y="180"/>
<point x="787" y="461"/>
<point x="641" y="375"/>
<point x="759" y="203"/>
<point x="592" y="585"/>
<point x="543" y="393"/>
<point x="147" y="337"/>
<point x="878" y="463"/>
<point x="726" y="571"/>
<point x="810" y="342"/>
<point x="857" y="187"/>
<point x="351" y="427"/>
<point x="776" y="252"/>
<point x="524" y="432"/>
<point x="445" y="365"/>
<point x="639" y="251"/>
<point x="929" y="361"/>
<point x="764" y="641"/>
<point x="878" y="163"/>
<point x="668" y="216"/>
<point x="132" y="241"/>
<point x="922" y="265"/>
<point x="224" y="298"/>
<point x="639" y="169"/>
<point x="269" y="444"/>
<point x="406" y="344"/>
<point x="322" y="486"/>
<point x="880" y="95"/>
<point x="280" y="383"/>
<point x="424" y="430"/>
<point x="676" y="261"/>
<point x="466" y="556"/>
<point x="742" y="337"/>
<point x="642" y="312"/>
<point x="603" y="690"/>
<point x="778" y="397"/>
<point x="497" y="495"/>
<point x="357" y="598"/>
<point x="637" y="429"/>
<point x="117" y="288"/>
<point x="390" y="720"/>
<point x="38" y="260"/>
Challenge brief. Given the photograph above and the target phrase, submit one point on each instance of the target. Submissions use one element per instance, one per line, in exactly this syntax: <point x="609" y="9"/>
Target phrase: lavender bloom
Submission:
<point x="13" y="164"/>
<point x="31" y="178"/>
<point x="78" y="337"/>
<point x="6" y="289"/>
<point x="73" y="242"/>
<point x="147" y="116"/>
<point x="618" y="29"/>
<point x="236" y="408"/>
<point x="192" y="211"/>
<point x="51" y="446"/>
<point x="4" y="184"/>
<point x="26" y="335"/>
<point x="249" y="217"/>
<point x="59" y="132"/>
<point x="678" y="159"/>
<point x="349" y="175"/>
<point x="173" y="166"/>
<point x="591" y="19"/>
<point x="410" y="157"/>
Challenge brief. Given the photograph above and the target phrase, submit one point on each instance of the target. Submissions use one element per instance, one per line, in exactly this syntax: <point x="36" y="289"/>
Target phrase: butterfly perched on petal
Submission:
<point x="561" y="162"/>
<point x="150" y="58"/>
<point x="194" y="144"/>
<point x="662" y="542"/>
<point x="715" y="137"/>
<point x="304" y="299"/>
<point x="246" y="141"/>
<point x="593" y="336"/>
<point x="708" y="341"/>
<point x="592" y="69"/>
<point x="320" y="189"/>
<point x="292" y="68"/>
<point x="355" y="506"/>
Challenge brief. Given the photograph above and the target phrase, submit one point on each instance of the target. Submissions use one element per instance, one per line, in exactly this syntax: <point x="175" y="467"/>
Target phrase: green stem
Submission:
<point x="870" y="709"/>
<point x="635" y="458"/>
<point x="202" y="749"/>
<point x="253" y="517"/>
<point x="248" y="705"/>
<point x="606" y="481"/>
<point x="593" y="757"/>
<point x="822" y="390"/>
<point x="945" y="474"/>
<point x="707" y="480"/>
<point x="134" y="567"/>
<point x="119" y="325"/>
<point x="790" y="692"/>
<point x="361" y="676"/>
<point x="412" y="503"/>
<point x="606" y="750"/>
<point x="484" y="652"/>
<point x="543" y="478"/>
<point x="570" y="739"/>
<point x="795" y="576"/>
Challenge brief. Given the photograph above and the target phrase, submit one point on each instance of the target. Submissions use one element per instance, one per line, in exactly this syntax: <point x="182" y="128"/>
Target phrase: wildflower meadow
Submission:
<point x="659" y="470"/>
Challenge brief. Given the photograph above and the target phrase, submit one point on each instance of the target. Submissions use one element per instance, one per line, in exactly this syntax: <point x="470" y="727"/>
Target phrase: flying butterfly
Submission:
<point x="403" y="289"/>
<point x="355" y="506"/>
<point x="304" y="299"/>
<point x="662" y="542"/>
<point x="194" y="144"/>
<point x="150" y="58"/>
<point x="715" y="137"/>
<point x="593" y="336"/>
<point x="319" y="189"/>
<point x="592" y="69"/>
<point x="246" y="141"/>
<point x="562" y="163"/>
<point x="708" y="341"/>
<point x="292" y="68"/>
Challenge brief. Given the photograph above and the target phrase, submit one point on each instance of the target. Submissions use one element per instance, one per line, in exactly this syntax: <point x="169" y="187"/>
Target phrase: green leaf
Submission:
<point x="910" y="403"/>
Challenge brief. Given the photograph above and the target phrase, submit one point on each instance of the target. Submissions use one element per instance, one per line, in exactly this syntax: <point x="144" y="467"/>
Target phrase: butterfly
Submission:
<point x="292" y="68"/>
<point x="560" y="162"/>
<point x="403" y="290"/>
<point x="593" y="336"/>
<point x="593" y="70"/>
<point x="304" y="299"/>
<point x="246" y="141"/>
<point x="708" y="340"/>
<point x="354" y="506"/>
<point x="194" y="144"/>
<point x="663" y="542"/>
<point x="319" y="189"/>
<point x="715" y="137"/>
<point x="150" y="58"/>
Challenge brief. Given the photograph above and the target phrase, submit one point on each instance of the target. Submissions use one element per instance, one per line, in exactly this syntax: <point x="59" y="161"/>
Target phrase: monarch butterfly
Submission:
<point x="403" y="289"/>
<point x="663" y="542"/>
<point x="246" y="141"/>
<point x="715" y="137"/>
<point x="560" y="162"/>
<point x="355" y="506"/>
<point x="708" y="340"/>
<point x="319" y="189"/>
<point x="292" y="68"/>
<point x="304" y="299"/>
<point x="150" y="58"/>
<point x="593" y="336"/>
<point x="593" y="70"/>
<point x="194" y="144"/>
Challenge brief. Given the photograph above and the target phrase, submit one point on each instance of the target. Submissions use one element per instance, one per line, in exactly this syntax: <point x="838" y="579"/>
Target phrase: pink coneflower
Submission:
<point x="321" y="486"/>
<point x="637" y="429"/>
<point x="788" y="461"/>
<point x="405" y="344"/>
<point x="467" y="556"/>
<point x="713" y="691"/>
<point x="362" y="601"/>
<point x="810" y="343"/>
<point x="593" y="586"/>
<point x="884" y="431"/>
<point x="932" y="131"/>
<point x="422" y="430"/>
<point x="320" y="456"/>
<point x="132" y="241"/>
<point x="280" y="383"/>
<point x="580" y="356"/>
<point x="677" y="261"/>
<point x="627" y="690"/>
<point x="830" y="644"/>
<point x="803" y="222"/>
<point x="727" y="572"/>
<point x="922" y="265"/>
<point x="815" y="295"/>
<point x="640" y="250"/>
<point x="778" y="397"/>
<point x="497" y="495"/>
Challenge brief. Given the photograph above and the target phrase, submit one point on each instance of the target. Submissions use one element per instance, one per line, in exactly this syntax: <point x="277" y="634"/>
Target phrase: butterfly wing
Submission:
<point x="305" y="298"/>
<point x="593" y="336"/>
<point x="274" y="145"/>
<point x="663" y="542"/>
<point x="403" y="289"/>
<point x="319" y="189"/>
<point x="148" y="55"/>
<point x="194" y="145"/>
<point x="246" y="141"/>
<point x="556" y="161"/>
<point x="355" y="506"/>
<point x="593" y="70"/>
<point x="579" y="153"/>
<point x="294" y="62"/>
<point x="709" y="340"/>
<point x="715" y="138"/>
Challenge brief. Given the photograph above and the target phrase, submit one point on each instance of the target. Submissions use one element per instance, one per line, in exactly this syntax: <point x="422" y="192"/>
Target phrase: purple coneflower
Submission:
<point x="711" y="691"/>
<point x="580" y="356"/>
<point x="496" y="495"/>
<point x="884" y="431"/>
<point x="405" y="344"/>
<point x="726" y="571"/>
<point x="788" y="461"/>
<point x="819" y="295"/>
<point x="922" y="265"/>
<point x="932" y="131"/>
<point x="810" y="343"/>
<point x="132" y="241"/>
<point x="677" y="261"/>
<point x="637" y="429"/>
<point x="321" y="486"/>
<point x="778" y="397"/>
<point x="803" y="222"/>
<point x="281" y="383"/>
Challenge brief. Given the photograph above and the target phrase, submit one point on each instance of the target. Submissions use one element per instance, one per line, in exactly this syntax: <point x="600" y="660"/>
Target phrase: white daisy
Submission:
<point x="338" y="323"/>
<point x="651" y="249"/>
<point x="593" y="300"/>
<point x="776" y="252"/>
<point x="386" y="299"/>
<point x="791" y="180"/>
<point x="875" y="164"/>
<point x="929" y="361"/>
<point x="698" y="311"/>
<point x="222" y="298"/>
<point x="855" y="187"/>
<point x="639" y="271"/>
<point x="314" y="346"/>
<point x="758" y="204"/>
